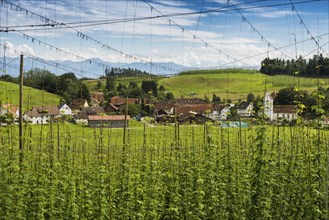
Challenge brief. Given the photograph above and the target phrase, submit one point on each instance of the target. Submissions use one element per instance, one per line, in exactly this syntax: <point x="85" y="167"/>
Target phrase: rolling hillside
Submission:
<point x="233" y="84"/>
<point x="9" y="94"/>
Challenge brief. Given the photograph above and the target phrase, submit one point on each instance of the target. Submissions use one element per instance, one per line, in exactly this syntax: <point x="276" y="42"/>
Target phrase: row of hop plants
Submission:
<point x="169" y="172"/>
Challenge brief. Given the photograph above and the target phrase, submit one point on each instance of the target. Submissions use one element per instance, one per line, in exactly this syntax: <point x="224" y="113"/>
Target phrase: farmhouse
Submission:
<point x="77" y="104"/>
<point x="119" y="101"/>
<point x="41" y="114"/>
<point x="97" y="98"/>
<point x="107" y="121"/>
<point x="288" y="112"/>
<point x="111" y="109"/>
<point x="164" y="108"/>
<point x="221" y="112"/>
<point x="193" y="109"/>
<point x="10" y="109"/>
<point x="82" y="117"/>
<point x="64" y="109"/>
<point x="245" y="109"/>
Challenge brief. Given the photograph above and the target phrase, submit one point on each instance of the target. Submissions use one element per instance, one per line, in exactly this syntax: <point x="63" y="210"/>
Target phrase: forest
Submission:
<point x="317" y="66"/>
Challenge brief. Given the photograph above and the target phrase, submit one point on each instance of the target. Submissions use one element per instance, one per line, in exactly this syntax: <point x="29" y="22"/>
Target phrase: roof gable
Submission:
<point x="12" y="109"/>
<point x="243" y="105"/>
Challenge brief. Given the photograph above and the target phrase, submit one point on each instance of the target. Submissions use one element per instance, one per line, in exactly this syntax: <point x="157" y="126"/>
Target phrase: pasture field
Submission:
<point x="234" y="84"/>
<point x="67" y="171"/>
<point x="9" y="93"/>
<point x="231" y="84"/>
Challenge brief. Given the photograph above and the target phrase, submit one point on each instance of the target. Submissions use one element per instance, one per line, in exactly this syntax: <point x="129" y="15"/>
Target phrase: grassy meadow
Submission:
<point x="231" y="84"/>
<point x="9" y="93"/>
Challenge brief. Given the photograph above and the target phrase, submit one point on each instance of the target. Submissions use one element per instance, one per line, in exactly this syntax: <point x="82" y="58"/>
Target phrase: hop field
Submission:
<point x="164" y="172"/>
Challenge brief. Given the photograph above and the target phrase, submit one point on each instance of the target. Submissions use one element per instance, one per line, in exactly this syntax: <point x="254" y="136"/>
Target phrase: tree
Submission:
<point x="285" y="97"/>
<point x="85" y="92"/>
<point x="99" y="85"/>
<point x="215" y="99"/>
<point x="206" y="99"/>
<point x="8" y="78"/>
<point x="150" y="86"/>
<point x="250" y="97"/>
<point x="170" y="96"/>
<point x="133" y="110"/>
<point x="110" y="84"/>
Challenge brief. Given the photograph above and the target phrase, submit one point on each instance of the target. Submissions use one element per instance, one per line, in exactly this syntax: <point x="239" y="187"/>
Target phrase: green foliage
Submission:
<point x="164" y="172"/>
<point x="314" y="67"/>
<point x="150" y="86"/>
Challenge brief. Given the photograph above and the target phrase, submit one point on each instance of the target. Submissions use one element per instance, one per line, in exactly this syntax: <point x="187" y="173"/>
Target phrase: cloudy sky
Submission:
<point x="235" y="33"/>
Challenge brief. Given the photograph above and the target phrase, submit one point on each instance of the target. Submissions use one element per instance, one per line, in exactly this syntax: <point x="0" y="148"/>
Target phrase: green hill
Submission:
<point x="9" y="93"/>
<point x="233" y="83"/>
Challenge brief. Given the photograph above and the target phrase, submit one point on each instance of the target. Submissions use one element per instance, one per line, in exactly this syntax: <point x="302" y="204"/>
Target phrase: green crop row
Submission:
<point x="164" y="172"/>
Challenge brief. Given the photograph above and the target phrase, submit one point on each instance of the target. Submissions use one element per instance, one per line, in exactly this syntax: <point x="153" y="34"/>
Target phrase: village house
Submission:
<point x="288" y="112"/>
<point x="278" y="112"/>
<point x="64" y="109"/>
<point x="77" y="104"/>
<point x="119" y="101"/>
<point x="164" y="108"/>
<point x="111" y="109"/>
<point x="41" y="114"/>
<point x="220" y="112"/>
<point x="245" y="109"/>
<point x="97" y="99"/>
<point x="82" y="117"/>
<point x="187" y="110"/>
<point x="10" y="109"/>
<point x="107" y="121"/>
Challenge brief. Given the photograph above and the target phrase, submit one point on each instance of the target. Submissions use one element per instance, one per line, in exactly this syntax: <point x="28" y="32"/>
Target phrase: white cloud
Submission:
<point x="14" y="50"/>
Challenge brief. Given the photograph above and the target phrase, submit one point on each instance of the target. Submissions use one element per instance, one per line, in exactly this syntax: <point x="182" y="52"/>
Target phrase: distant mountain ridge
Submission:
<point x="91" y="68"/>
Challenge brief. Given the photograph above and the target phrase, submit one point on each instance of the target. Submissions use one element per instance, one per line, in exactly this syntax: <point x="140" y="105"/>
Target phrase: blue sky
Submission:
<point x="209" y="40"/>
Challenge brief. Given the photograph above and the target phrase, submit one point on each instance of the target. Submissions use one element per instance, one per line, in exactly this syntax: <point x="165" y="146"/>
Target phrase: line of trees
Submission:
<point x="116" y="71"/>
<point x="148" y="89"/>
<point x="318" y="66"/>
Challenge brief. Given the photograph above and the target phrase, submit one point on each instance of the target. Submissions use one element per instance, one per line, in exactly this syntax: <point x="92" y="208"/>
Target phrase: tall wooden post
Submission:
<point x="21" y="108"/>
<point x="125" y="122"/>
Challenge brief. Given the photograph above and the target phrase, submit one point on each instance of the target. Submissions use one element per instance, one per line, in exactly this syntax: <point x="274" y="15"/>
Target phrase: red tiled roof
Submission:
<point x="107" y="117"/>
<point x="117" y="100"/>
<point x="163" y="105"/>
